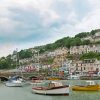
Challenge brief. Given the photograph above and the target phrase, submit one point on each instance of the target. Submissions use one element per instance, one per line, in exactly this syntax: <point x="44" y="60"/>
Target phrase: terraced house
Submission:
<point x="85" y="49"/>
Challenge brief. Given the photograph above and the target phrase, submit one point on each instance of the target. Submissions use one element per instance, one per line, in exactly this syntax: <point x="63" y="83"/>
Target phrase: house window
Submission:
<point x="81" y="68"/>
<point x="84" y="68"/>
<point x="76" y="68"/>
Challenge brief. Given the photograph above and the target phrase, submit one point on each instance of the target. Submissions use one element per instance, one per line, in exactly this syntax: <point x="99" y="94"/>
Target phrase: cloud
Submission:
<point x="91" y="21"/>
<point x="92" y="18"/>
<point x="34" y="22"/>
<point x="94" y="3"/>
<point x="6" y="48"/>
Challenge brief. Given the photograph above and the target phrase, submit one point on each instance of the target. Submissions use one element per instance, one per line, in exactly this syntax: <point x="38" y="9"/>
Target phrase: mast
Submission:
<point x="15" y="58"/>
<point x="17" y="61"/>
<point x="37" y="58"/>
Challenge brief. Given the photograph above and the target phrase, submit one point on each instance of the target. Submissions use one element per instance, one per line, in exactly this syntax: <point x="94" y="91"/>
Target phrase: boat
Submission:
<point x="52" y="88"/>
<point x="54" y="78"/>
<point x="36" y="82"/>
<point x="73" y="77"/>
<point x="99" y="86"/>
<point x="91" y="87"/>
<point x="14" y="82"/>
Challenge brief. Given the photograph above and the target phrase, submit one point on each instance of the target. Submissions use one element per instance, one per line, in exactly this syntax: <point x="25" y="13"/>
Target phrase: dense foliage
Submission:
<point x="65" y="42"/>
<point x="82" y="35"/>
<point x="7" y="63"/>
<point x="25" y="54"/>
<point x="90" y="55"/>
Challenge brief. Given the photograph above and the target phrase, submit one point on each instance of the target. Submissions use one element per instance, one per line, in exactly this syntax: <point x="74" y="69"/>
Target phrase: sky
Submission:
<point x="28" y="23"/>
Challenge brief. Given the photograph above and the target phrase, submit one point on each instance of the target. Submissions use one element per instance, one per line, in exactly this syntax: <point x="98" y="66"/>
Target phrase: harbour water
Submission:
<point x="24" y="93"/>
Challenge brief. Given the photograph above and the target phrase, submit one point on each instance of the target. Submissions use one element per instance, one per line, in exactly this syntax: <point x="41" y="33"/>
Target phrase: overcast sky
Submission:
<point x="27" y="23"/>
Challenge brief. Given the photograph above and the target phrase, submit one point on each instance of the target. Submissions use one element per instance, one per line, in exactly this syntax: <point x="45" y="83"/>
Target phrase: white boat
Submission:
<point x="14" y="82"/>
<point x="53" y="88"/>
<point x="73" y="77"/>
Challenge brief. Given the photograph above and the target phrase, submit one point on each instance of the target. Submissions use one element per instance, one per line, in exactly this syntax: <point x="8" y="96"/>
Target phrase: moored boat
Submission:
<point x="99" y="87"/>
<point x="14" y="82"/>
<point x="91" y="87"/>
<point x="36" y="82"/>
<point x="54" y="78"/>
<point x="53" y="88"/>
<point x="73" y="77"/>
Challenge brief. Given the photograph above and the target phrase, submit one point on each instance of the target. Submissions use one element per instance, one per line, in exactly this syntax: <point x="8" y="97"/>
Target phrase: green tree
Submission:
<point x="82" y="35"/>
<point x="86" y="42"/>
<point x="90" y="55"/>
<point x="25" y="54"/>
<point x="92" y="32"/>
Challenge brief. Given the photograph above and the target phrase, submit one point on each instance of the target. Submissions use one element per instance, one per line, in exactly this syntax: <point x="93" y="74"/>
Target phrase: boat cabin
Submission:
<point x="90" y="82"/>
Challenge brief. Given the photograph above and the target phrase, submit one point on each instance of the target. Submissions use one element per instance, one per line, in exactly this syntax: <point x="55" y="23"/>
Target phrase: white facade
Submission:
<point x="58" y="52"/>
<point x="84" y="49"/>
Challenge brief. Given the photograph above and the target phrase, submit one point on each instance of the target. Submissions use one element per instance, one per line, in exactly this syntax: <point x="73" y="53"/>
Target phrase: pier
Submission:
<point x="4" y="76"/>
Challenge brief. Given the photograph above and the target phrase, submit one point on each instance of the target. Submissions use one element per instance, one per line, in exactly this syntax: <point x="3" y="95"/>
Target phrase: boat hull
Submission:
<point x="54" y="78"/>
<point x="12" y="84"/>
<point x="36" y="82"/>
<point x="86" y="88"/>
<point x="58" y="91"/>
<point x="99" y="87"/>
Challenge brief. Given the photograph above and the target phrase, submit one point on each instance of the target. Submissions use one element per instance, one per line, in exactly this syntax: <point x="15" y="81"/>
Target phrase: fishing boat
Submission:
<point x="36" y="82"/>
<point x="52" y="88"/>
<point x="90" y="87"/>
<point x="14" y="82"/>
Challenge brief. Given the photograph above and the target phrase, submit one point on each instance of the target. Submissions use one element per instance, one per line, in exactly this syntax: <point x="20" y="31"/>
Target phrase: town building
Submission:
<point x="84" y="49"/>
<point x="97" y="37"/>
<point x="93" y="38"/>
<point x="85" y="67"/>
<point x="58" y="52"/>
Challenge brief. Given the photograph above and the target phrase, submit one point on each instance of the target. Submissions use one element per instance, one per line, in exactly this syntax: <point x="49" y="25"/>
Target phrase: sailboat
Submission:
<point x="51" y="88"/>
<point x="37" y="80"/>
<point x="15" y="81"/>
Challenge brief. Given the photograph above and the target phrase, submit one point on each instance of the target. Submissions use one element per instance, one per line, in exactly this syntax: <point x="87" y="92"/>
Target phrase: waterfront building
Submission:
<point x="85" y="67"/>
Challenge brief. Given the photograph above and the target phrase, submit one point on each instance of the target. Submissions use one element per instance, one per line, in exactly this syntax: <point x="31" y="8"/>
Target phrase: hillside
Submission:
<point x="83" y="38"/>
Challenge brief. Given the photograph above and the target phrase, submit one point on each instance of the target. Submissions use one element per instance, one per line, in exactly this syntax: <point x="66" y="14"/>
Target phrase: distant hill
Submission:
<point x="79" y="39"/>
